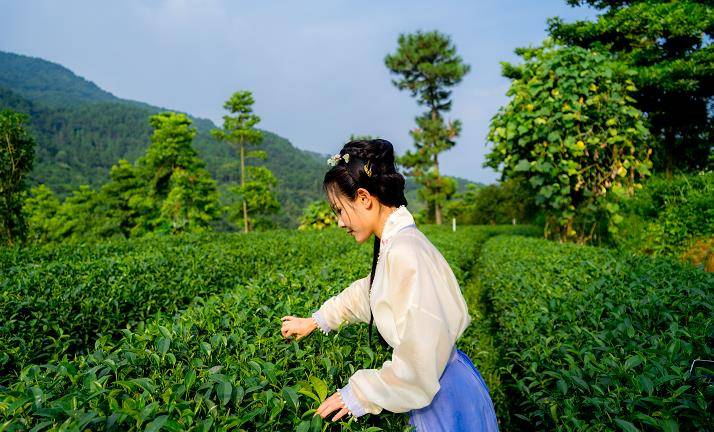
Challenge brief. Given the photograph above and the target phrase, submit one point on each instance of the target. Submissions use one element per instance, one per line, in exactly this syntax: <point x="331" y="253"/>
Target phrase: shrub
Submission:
<point x="592" y="339"/>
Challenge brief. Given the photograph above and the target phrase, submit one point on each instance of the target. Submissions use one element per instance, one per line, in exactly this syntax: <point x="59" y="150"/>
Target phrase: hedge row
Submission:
<point x="590" y="339"/>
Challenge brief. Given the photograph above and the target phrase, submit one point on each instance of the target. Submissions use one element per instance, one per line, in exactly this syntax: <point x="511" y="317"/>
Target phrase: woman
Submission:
<point x="411" y="295"/>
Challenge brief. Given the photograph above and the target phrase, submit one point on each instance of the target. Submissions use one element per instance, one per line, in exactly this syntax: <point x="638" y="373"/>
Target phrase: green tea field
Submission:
<point x="182" y="333"/>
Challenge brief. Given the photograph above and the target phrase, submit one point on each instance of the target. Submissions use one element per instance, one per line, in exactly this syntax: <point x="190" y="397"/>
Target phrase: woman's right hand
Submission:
<point x="300" y="327"/>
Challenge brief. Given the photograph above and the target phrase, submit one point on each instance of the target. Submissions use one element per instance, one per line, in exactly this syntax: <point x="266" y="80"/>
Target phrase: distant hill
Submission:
<point x="82" y="130"/>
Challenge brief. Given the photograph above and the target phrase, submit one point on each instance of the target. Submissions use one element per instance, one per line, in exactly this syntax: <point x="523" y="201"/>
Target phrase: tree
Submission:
<point x="497" y="204"/>
<point x="77" y="219"/>
<point x="40" y="209"/>
<point x="318" y="215"/>
<point x="17" y="154"/>
<point x="668" y="44"/>
<point x="572" y="131"/>
<point x="239" y="130"/>
<point x="122" y="199"/>
<point x="428" y="68"/>
<point x="172" y="169"/>
<point x="258" y="196"/>
<point x="192" y="202"/>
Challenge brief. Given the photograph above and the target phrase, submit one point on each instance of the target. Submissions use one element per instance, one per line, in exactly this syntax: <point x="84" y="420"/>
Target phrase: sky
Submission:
<point x="316" y="68"/>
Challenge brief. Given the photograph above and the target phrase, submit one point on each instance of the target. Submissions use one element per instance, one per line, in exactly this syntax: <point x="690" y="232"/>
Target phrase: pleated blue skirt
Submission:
<point x="462" y="403"/>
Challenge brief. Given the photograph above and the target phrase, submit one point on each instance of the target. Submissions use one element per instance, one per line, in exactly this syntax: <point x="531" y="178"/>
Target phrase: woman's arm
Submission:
<point x="351" y="305"/>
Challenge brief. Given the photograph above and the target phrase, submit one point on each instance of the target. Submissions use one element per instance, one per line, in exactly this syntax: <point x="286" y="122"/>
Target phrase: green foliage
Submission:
<point x="255" y="192"/>
<point x="570" y="129"/>
<point x="192" y="202"/>
<point x="428" y="67"/>
<point x="166" y="191"/>
<point x="591" y="339"/>
<point x="493" y="204"/>
<point x="318" y="215"/>
<point x="668" y="44"/>
<point x="667" y="215"/>
<point x="258" y="193"/>
<point x="40" y="208"/>
<point x="209" y="351"/>
<point x="17" y="153"/>
<point x="37" y="79"/>
<point x="81" y="131"/>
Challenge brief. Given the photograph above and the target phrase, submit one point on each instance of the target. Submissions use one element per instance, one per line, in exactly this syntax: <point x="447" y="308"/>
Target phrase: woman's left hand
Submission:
<point x="332" y="403"/>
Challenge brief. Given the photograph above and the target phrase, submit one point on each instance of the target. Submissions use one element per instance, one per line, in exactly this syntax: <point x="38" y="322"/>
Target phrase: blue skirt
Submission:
<point x="462" y="402"/>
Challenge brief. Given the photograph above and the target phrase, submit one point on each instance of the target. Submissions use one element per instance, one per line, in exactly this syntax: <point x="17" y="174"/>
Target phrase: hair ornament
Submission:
<point x="368" y="169"/>
<point x="335" y="159"/>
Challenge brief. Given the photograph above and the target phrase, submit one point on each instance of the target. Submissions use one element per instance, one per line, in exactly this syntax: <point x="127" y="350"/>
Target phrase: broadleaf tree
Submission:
<point x="572" y="131"/>
<point x="17" y="153"/>
<point x="668" y="45"/>
<point x="172" y="168"/>
<point x="428" y="67"/>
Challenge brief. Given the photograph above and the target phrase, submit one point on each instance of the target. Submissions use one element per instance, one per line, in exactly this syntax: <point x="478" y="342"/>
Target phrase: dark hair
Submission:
<point x="375" y="157"/>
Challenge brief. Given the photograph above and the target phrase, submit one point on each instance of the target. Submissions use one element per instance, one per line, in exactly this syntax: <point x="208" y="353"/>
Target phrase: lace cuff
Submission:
<point x="320" y="321"/>
<point x="354" y="407"/>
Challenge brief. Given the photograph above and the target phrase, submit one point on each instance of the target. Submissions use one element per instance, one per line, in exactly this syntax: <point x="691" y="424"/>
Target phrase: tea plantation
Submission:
<point x="182" y="333"/>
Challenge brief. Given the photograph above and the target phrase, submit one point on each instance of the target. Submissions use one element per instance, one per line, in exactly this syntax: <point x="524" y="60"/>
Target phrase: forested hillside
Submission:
<point x="82" y="131"/>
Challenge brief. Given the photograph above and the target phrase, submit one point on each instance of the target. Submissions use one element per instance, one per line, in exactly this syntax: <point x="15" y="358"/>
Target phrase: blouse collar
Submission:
<point x="400" y="218"/>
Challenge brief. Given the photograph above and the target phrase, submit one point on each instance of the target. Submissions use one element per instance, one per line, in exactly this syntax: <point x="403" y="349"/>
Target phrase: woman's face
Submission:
<point x="354" y="216"/>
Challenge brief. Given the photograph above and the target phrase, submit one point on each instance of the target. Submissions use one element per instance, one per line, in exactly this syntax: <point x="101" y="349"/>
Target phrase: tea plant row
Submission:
<point x="221" y="363"/>
<point x="590" y="339"/>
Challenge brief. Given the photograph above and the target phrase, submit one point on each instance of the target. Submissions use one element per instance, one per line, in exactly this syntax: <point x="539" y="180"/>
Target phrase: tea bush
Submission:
<point x="59" y="300"/>
<point x="220" y="363"/>
<point x="591" y="339"/>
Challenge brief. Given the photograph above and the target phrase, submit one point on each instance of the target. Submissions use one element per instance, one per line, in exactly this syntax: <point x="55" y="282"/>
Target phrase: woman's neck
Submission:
<point x="384" y="213"/>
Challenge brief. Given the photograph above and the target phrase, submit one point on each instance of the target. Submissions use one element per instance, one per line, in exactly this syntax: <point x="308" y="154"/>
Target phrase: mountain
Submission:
<point x="82" y="130"/>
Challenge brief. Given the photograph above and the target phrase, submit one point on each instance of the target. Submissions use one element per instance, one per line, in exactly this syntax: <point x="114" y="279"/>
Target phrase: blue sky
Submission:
<point x="316" y="68"/>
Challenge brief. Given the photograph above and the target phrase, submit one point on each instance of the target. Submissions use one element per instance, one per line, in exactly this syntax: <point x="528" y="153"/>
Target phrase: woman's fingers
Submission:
<point x="340" y="414"/>
<point x="330" y="404"/>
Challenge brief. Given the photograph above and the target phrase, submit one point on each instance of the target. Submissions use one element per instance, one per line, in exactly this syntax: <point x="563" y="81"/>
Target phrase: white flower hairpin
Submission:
<point x="335" y="159"/>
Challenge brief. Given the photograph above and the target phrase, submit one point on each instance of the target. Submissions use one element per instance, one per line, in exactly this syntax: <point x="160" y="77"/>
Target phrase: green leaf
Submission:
<point x="626" y="426"/>
<point x="292" y="396"/>
<point x="224" y="391"/>
<point x="304" y="426"/>
<point x="163" y="345"/>
<point x="633" y="361"/>
<point x="319" y="386"/>
<point x="309" y="394"/>
<point x="189" y="378"/>
<point x="157" y="424"/>
<point x="523" y="165"/>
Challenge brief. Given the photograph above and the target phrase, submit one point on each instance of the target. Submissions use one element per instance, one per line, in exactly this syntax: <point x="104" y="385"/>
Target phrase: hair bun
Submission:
<point x="380" y="178"/>
<point x="379" y="152"/>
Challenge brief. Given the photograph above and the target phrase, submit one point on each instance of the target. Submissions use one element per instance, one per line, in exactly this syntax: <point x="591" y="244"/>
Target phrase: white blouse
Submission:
<point x="418" y="309"/>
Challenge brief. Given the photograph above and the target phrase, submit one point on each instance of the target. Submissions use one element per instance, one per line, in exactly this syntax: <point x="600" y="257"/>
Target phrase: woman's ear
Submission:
<point x="364" y="198"/>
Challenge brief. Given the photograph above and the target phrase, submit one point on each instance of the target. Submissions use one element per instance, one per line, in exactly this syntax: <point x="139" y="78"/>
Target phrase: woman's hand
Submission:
<point x="332" y="403"/>
<point x="300" y="327"/>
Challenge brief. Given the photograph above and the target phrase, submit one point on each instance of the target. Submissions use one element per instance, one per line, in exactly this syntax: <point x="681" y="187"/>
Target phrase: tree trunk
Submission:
<point x="669" y="142"/>
<point x="437" y="205"/>
<point x="242" y="185"/>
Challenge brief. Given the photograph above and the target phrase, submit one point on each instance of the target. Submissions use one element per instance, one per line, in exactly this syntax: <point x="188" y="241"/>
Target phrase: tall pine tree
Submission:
<point x="256" y="190"/>
<point x="428" y="67"/>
